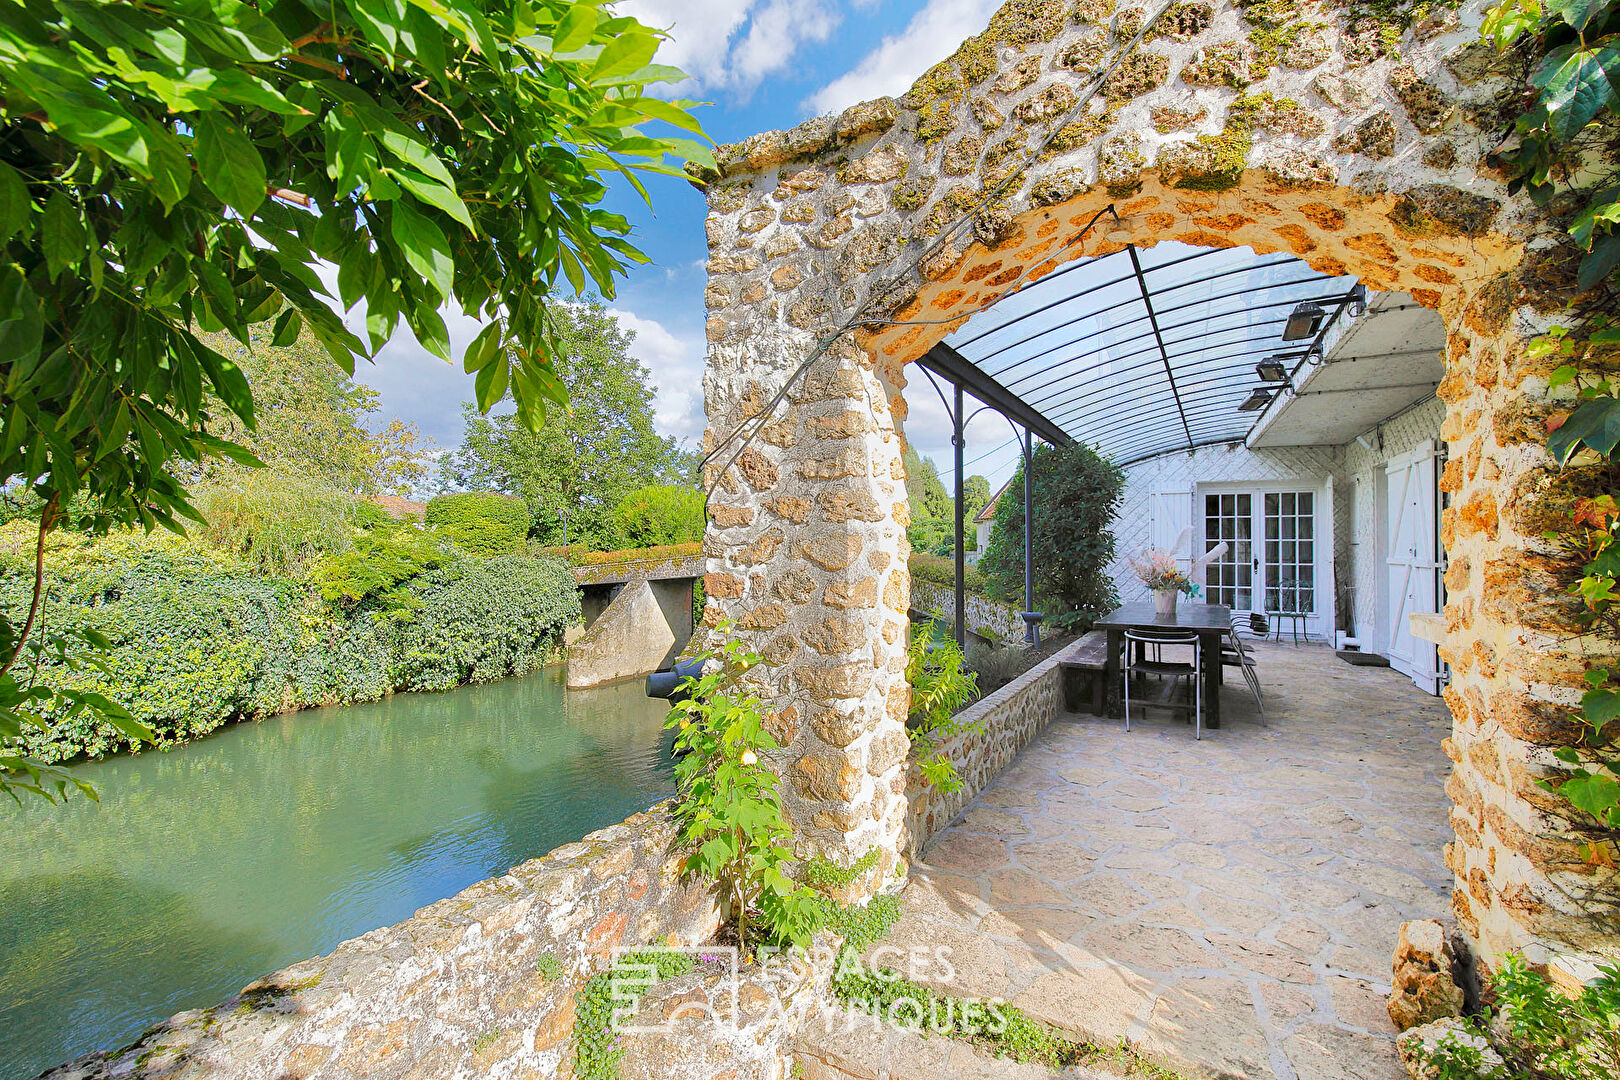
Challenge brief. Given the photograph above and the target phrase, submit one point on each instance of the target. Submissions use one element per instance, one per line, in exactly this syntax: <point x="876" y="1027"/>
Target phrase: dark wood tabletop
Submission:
<point x="1211" y="622"/>
<point x="1190" y="615"/>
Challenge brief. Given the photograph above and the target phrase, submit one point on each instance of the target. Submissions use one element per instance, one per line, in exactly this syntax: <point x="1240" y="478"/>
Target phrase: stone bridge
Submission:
<point x="638" y="618"/>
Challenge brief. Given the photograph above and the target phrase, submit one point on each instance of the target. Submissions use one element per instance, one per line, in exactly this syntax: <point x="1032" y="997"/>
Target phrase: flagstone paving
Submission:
<point x="1229" y="906"/>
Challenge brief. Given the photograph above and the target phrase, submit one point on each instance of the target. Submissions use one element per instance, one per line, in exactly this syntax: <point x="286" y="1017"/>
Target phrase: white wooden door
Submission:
<point x="1170" y="523"/>
<point x="1413" y="557"/>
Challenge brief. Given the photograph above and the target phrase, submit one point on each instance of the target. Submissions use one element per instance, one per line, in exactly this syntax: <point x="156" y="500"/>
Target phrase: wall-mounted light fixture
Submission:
<point x="1303" y="322"/>
<point x="1271" y="370"/>
<point x="1258" y="398"/>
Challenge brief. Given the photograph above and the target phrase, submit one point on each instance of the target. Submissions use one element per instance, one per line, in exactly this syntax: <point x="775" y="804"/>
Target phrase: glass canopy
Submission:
<point x="1137" y="364"/>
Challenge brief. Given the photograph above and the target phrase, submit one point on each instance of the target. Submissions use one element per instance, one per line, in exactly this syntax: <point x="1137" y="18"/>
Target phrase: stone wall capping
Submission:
<point x="454" y="990"/>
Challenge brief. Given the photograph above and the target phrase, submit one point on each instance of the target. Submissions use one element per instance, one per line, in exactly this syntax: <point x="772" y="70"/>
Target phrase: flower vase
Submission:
<point x="1164" y="601"/>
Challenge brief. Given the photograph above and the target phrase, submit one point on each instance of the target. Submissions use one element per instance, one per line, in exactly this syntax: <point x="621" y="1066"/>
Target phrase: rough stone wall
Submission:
<point x="453" y="991"/>
<point x="1002" y="724"/>
<point x="987" y="618"/>
<point x="884" y="228"/>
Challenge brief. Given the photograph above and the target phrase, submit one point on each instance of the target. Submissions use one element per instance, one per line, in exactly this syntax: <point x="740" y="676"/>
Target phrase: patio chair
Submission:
<point x="1137" y="645"/>
<point x="1237" y="653"/>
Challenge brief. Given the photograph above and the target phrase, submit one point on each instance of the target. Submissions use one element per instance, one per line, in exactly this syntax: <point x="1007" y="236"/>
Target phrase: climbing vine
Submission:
<point x="940" y="686"/>
<point x="728" y="809"/>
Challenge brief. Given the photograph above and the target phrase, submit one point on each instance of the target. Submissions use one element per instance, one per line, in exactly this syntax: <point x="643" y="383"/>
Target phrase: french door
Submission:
<point x="1271" y="558"/>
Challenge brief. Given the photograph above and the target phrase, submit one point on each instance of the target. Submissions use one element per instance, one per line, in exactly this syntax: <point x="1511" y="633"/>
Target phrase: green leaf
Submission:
<point x="575" y="29"/>
<point x="1595" y="424"/>
<point x="1597" y="795"/>
<point x="1600" y="262"/>
<point x="1575" y="86"/>
<point x="484" y="348"/>
<point x="490" y="386"/>
<point x="626" y="53"/>
<point x="1577" y="13"/>
<point x="425" y="248"/>
<point x="228" y="163"/>
<point x="15" y="203"/>
<point x="61" y="234"/>
<point x="434" y="194"/>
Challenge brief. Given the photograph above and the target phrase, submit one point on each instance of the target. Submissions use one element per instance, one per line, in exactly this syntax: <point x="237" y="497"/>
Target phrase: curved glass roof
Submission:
<point x="1147" y="350"/>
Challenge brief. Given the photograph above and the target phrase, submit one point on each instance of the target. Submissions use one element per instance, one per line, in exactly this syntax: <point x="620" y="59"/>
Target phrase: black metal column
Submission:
<point x="961" y="548"/>
<point x="1032" y="621"/>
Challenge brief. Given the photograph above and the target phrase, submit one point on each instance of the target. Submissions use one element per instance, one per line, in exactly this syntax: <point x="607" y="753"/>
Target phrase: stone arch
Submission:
<point x="856" y="242"/>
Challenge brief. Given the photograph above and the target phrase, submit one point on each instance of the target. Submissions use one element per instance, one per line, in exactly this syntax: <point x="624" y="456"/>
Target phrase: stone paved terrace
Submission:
<point x="1231" y="905"/>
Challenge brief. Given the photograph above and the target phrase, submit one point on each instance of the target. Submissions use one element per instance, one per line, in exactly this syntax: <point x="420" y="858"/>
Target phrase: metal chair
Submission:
<point x="1137" y="643"/>
<point x="1237" y="653"/>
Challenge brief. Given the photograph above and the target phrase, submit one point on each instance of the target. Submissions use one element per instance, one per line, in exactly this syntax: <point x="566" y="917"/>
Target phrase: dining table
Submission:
<point x="1211" y="622"/>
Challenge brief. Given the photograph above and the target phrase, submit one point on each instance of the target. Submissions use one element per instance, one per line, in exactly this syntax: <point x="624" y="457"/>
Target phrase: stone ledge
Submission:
<point x="1010" y="717"/>
<point x="454" y="991"/>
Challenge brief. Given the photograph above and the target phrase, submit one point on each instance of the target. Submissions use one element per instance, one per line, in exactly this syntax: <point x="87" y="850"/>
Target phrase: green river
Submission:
<point x="207" y="866"/>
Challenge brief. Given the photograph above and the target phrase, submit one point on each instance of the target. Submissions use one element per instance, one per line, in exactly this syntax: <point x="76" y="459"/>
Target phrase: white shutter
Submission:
<point x="1412" y="558"/>
<point x="1170" y="523"/>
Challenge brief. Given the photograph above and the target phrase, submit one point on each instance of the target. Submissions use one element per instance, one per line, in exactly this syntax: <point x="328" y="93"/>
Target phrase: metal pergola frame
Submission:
<point x="1200" y="377"/>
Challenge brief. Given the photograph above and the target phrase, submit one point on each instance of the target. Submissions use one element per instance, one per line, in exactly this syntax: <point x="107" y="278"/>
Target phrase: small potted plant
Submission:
<point x="1166" y="580"/>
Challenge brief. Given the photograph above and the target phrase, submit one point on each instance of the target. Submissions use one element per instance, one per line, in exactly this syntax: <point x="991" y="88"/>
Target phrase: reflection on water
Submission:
<point x="262" y="844"/>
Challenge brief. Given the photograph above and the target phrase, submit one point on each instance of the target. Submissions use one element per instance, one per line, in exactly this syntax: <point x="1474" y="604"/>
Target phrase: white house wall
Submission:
<point x="1354" y="498"/>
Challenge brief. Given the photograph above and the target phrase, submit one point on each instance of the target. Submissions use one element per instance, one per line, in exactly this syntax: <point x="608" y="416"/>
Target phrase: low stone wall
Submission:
<point x="1006" y="720"/>
<point x="986" y="618"/>
<point x="453" y="991"/>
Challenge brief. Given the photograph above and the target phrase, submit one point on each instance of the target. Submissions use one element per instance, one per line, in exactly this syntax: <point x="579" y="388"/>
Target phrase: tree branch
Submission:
<point x="48" y="518"/>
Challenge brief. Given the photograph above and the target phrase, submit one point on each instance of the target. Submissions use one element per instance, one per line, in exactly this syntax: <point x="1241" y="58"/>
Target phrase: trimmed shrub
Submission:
<point x="477" y="620"/>
<point x="659" y="514"/>
<point x="480" y="522"/>
<point x="941" y="570"/>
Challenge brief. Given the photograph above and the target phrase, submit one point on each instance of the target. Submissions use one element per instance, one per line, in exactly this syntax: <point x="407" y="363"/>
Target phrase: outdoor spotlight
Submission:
<point x="1358" y="301"/>
<point x="1257" y="400"/>
<point x="1271" y="370"/>
<point x="1304" y="322"/>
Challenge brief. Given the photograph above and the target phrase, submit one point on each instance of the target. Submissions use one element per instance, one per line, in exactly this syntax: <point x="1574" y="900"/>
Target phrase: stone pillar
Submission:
<point x="807" y="554"/>
<point x="1516" y="651"/>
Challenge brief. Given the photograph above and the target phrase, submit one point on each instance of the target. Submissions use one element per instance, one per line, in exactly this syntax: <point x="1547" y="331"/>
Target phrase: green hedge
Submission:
<point x="198" y="640"/>
<point x="939" y="570"/>
<point x="480" y="522"/>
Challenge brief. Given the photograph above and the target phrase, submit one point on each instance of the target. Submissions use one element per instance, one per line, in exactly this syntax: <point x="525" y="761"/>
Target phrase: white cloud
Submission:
<point x="733" y="44"/>
<point x="891" y="68"/>
<point x="676" y="364"/>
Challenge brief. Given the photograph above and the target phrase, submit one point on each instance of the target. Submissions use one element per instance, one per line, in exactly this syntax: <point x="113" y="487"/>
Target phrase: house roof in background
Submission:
<point x="397" y="507"/>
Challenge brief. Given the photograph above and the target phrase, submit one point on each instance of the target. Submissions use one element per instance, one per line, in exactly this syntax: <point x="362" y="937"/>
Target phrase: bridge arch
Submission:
<point x="845" y="248"/>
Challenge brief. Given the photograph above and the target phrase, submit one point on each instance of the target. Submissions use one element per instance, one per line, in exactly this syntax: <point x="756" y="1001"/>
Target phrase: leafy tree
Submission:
<point x="177" y="167"/>
<point x="659" y="514"/>
<point x="399" y="459"/>
<point x="1073" y="497"/>
<point x="933" y="507"/>
<point x="313" y="419"/>
<point x="481" y="522"/>
<point x="585" y="462"/>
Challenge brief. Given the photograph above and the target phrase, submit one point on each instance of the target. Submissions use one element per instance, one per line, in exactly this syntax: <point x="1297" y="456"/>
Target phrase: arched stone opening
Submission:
<point x="856" y="243"/>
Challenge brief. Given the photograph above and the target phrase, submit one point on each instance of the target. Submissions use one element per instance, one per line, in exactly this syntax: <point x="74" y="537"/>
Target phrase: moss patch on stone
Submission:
<point x="1135" y="75"/>
<point x="1184" y="20"/>
<point x="1209" y="162"/>
<point x="1093" y="11"/>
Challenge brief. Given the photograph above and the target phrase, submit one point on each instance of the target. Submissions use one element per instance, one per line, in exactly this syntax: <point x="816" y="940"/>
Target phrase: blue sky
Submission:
<point x="762" y="64"/>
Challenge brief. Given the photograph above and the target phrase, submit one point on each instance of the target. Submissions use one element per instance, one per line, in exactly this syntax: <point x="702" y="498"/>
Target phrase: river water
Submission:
<point x="225" y="859"/>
